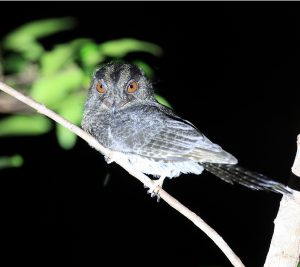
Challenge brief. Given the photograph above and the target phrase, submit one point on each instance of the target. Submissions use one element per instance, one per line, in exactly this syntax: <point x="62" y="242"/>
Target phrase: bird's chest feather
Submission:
<point x="126" y="131"/>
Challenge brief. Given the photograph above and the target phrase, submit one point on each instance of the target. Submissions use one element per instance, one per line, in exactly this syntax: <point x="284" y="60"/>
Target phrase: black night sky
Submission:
<point x="232" y="69"/>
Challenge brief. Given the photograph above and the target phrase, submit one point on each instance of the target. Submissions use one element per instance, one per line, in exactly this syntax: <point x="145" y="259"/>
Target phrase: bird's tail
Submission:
<point x="237" y="174"/>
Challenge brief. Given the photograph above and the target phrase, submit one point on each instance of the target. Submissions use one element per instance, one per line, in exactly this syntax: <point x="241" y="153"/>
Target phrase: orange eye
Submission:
<point x="132" y="87"/>
<point x="100" y="88"/>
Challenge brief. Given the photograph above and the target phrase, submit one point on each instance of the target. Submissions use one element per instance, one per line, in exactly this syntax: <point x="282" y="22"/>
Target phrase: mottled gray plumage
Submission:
<point x="155" y="140"/>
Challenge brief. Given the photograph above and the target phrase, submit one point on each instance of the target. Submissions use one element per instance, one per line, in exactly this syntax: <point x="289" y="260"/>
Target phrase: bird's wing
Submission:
<point x="167" y="136"/>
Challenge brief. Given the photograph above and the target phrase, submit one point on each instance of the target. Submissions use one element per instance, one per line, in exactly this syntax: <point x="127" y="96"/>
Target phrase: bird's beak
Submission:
<point x="114" y="105"/>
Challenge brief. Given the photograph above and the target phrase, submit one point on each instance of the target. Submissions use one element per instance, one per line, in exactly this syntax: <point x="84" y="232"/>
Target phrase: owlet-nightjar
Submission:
<point x="123" y="115"/>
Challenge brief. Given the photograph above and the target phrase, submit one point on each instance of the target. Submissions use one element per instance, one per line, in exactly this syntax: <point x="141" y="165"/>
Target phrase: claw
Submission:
<point x="156" y="185"/>
<point x="108" y="160"/>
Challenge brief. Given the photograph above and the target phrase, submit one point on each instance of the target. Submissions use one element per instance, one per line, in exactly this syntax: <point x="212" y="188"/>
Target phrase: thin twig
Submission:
<point x="122" y="161"/>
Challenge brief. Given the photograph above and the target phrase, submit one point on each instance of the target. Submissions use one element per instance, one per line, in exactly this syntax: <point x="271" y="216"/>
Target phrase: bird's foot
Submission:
<point x="111" y="157"/>
<point x="154" y="189"/>
<point x="108" y="160"/>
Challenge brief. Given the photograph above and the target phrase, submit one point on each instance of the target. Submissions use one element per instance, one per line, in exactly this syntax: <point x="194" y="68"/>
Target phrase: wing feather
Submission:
<point x="152" y="132"/>
<point x="177" y="138"/>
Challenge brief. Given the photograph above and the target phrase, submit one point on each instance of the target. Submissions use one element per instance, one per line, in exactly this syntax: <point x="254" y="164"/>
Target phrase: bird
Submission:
<point x="121" y="112"/>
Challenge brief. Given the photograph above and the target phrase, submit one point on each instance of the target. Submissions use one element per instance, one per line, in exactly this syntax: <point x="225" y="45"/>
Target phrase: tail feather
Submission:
<point x="237" y="174"/>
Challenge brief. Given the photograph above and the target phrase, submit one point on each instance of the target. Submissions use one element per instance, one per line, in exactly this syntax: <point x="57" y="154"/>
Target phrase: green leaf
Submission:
<point x="145" y="67"/>
<point x="162" y="100"/>
<point x="52" y="89"/>
<point x="90" y="54"/>
<point x="24" y="39"/>
<point x="38" y="29"/>
<point x="86" y="81"/>
<point x="71" y="109"/>
<point x="11" y="162"/>
<point x="66" y="139"/>
<point x="52" y="61"/>
<point x="31" y="51"/>
<point x="60" y="56"/>
<point x="14" y="63"/>
<point x="119" y="48"/>
<point x="24" y="125"/>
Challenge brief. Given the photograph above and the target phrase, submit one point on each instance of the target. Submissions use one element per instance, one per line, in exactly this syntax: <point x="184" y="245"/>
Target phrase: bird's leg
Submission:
<point x="156" y="184"/>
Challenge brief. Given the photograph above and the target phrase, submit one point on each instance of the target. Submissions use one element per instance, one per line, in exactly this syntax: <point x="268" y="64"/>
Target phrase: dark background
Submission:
<point x="232" y="69"/>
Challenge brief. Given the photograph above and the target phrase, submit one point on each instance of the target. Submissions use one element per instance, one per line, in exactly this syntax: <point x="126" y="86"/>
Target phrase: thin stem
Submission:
<point x="120" y="159"/>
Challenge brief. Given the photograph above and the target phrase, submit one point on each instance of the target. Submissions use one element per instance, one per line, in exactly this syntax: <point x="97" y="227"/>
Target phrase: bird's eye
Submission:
<point x="132" y="87"/>
<point x="100" y="87"/>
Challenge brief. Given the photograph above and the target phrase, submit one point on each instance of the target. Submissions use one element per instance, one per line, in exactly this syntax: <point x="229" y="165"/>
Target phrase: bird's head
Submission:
<point x="118" y="85"/>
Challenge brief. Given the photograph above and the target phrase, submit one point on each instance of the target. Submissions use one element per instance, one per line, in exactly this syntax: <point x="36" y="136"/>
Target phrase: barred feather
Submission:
<point x="237" y="174"/>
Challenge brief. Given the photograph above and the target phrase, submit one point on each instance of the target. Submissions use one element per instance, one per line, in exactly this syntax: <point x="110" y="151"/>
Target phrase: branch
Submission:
<point x="296" y="165"/>
<point x="123" y="162"/>
<point x="285" y="245"/>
